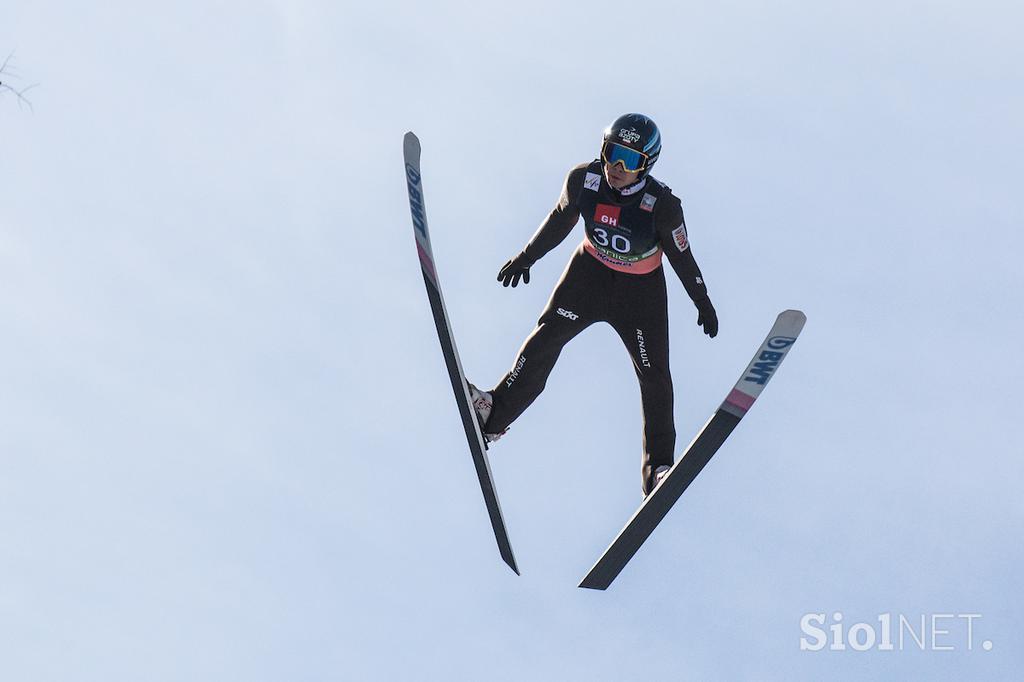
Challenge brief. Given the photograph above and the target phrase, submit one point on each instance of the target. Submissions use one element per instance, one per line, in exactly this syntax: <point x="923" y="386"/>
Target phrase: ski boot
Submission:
<point x="482" y="404"/>
<point x="657" y="476"/>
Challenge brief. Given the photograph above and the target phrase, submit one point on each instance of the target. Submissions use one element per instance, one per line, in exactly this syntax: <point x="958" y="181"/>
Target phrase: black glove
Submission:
<point x="707" y="317"/>
<point x="514" y="269"/>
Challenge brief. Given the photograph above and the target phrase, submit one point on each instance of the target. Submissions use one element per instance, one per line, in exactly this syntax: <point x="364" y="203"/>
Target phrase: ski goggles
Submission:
<point x="631" y="160"/>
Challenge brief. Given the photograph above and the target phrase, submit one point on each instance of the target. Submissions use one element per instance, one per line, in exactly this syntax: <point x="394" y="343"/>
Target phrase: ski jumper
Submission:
<point x="614" y="276"/>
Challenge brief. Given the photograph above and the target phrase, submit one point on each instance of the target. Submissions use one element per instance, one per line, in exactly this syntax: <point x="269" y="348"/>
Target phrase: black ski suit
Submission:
<point x="615" y="276"/>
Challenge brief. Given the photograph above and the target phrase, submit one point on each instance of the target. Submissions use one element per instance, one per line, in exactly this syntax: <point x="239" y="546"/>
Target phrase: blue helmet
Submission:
<point x="632" y="141"/>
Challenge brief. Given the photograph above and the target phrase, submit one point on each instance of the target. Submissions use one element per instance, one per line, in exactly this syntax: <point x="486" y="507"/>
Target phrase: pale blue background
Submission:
<point x="227" y="445"/>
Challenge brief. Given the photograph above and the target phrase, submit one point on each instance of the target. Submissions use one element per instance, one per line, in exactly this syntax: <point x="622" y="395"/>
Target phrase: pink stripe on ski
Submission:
<point x="427" y="264"/>
<point x="740" y="399"/>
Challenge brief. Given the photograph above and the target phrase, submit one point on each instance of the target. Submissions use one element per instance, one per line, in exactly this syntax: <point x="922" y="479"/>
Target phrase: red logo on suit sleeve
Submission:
<point x="607" y="215"/>
<point x="679" y="235"/>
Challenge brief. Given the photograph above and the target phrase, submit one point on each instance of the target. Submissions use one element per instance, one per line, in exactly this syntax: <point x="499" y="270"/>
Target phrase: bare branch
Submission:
<point x="7" y="68"/>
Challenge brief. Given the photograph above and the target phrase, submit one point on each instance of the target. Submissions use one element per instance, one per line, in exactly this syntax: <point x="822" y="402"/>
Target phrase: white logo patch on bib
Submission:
<point x="592" y="181"/>
<point x="647" y="203"/>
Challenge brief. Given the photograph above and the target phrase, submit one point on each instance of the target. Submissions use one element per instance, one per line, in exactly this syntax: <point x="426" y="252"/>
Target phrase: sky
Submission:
<point x="228" y="449"/>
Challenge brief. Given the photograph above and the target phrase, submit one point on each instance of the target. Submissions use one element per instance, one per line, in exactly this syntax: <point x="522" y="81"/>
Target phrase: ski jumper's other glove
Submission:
<point x="514" y="269"/>
<point x="707" y="317"/>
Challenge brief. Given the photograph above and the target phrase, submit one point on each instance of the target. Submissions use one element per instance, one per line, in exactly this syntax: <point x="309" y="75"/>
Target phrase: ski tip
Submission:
<point x="795" y="318"/>
<point x="589" y="584"/>
<point x="512" y="564"/>
<point x="411" y="144"/>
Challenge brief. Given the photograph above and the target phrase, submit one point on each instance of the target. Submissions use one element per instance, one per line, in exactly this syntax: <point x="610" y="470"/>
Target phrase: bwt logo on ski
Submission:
<point x="419" y="220"/>
<point x="766" y="363"/>
<point x="607" y="215"/>
<point x="567" y="313"/>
